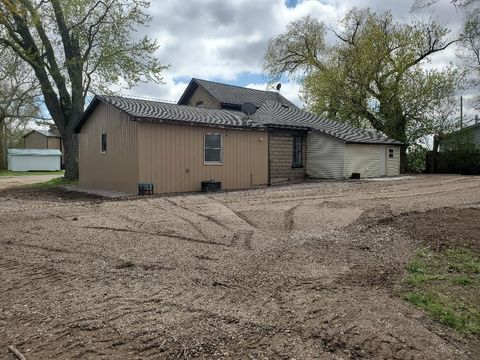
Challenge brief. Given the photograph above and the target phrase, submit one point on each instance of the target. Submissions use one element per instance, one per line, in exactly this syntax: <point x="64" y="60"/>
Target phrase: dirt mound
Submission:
<point x="442" y="228"/>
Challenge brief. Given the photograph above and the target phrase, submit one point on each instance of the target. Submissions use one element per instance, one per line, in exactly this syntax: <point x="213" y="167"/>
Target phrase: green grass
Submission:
<point x="55" y="182"/>
<point x="28" y="173"/>
<point x="446" y="284"/>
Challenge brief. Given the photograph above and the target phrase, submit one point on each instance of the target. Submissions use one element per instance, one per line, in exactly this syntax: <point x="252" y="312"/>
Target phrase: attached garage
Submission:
<point x="331" y="158"/>
<point x="334" y="150"/>
<point x="34" y="159"/>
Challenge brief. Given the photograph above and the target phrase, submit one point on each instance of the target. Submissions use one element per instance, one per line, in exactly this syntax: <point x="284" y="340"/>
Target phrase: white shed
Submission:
<point x="34" y="159"/>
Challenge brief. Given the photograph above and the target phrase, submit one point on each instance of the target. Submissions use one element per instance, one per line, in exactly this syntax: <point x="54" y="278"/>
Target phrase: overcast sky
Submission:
<point x="225" y="40"/>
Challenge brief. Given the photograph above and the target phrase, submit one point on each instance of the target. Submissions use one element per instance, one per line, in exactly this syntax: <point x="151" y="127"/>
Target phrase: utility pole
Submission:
<point x="461" y="112"/>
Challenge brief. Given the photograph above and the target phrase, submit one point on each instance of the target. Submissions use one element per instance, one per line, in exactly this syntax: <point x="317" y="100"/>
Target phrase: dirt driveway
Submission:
<point x="7" y="182"/>
<point x="306" y="271"/>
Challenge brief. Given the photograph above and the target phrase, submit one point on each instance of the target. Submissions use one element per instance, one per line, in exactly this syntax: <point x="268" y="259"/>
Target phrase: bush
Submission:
<point x="416" y="156"/>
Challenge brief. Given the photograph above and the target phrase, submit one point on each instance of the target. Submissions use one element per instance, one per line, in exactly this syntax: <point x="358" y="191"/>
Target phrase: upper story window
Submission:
<point x="103" y="146"/>
<point x="297" y="151"/>
<point x="391" y="152"/>
<point x="199" y="103"/>
<point x="213" y="149"/>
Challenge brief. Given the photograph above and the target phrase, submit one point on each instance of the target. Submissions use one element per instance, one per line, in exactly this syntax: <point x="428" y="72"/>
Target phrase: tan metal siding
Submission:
<point x="54" y="143"/>
<point x="281" y="157"/>
<point x="393" y="165"/>
<point x="325" y="157"/>
<point x="36" y="140"/>
<point x="200" y="94"/>
<point x="117" y="169"/>
<point x="363" y="159"/>
<point x="172" y="157"/>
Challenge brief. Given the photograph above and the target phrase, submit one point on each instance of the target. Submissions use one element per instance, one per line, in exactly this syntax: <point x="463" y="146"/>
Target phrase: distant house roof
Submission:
<point x="34" y="152"/>
<point x="231" y="95"/>
<point x="270" y="114"/>
<point x="155" y="111"/>
<point x="47" y="133"/>
<point x="273" y="113"/>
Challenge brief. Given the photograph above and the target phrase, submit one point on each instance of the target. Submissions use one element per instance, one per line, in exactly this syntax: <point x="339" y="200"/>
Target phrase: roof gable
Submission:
<point x="47" y="133"/>
<point x="231" y="95"/>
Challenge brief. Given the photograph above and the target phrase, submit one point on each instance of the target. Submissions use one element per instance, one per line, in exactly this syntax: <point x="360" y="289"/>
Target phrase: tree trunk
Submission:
<point x="436" y="143"/>
<point x="70" y="154"/>
<point x="403" y="159"/>
<point x="3" y="147"/>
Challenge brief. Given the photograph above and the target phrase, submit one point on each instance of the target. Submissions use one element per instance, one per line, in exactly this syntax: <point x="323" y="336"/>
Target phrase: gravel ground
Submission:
<point x="305" y="271"/>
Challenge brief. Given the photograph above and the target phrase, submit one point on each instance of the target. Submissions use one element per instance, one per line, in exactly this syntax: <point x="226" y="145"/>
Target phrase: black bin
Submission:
<point x="145" y="189"/>
<point x="211" y="186"/>
<point x="355" y="176"/>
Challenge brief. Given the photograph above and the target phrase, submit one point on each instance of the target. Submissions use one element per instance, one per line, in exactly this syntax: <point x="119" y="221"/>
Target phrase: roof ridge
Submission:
<point x="237" y="86"/>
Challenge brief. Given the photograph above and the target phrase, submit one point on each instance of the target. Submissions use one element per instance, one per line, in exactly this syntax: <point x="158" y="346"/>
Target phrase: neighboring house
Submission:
<point x="467" y="135"/>
<point x="124" y="142"/>
<point x="43" y="139"/>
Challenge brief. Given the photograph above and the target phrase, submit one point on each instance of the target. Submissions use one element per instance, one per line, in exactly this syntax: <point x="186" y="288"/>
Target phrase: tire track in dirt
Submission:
<point x="157" y="233"/>
<point x="207" y="217"/>
<point x="288" y="218"/>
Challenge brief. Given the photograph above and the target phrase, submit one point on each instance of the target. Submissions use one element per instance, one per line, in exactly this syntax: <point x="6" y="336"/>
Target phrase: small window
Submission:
<point x="199" y="103"/>
<point x="297" y="151"/>
<point x="390" y="153"/>
<point x="104" y="143"/>
<point x="213" y="149"/>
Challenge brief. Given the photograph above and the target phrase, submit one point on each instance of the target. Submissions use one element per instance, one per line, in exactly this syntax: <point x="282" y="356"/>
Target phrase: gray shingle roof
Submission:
<point x="270" y="114"/>
<point x="273" y="113"/>
<point x="237" y="95"/>
<point x="159" y="111"/>
<point x="47" y="133"/>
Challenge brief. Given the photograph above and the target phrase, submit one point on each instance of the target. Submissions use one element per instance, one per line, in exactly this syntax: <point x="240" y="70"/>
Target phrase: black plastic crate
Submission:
<point x="145" y="189"/>
<point x="211" y="186"/>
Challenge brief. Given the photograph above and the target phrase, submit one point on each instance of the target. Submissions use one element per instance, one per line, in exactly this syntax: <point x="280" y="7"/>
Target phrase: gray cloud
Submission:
<point x="224" y="38"/>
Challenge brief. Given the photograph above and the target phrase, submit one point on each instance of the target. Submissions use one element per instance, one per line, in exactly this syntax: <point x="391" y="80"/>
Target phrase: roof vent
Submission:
<point x="248" y="108"/>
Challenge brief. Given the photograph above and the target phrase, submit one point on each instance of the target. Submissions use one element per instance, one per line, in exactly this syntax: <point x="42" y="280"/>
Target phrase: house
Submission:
<point x="43" y="139"/>
<point x="214" y="95"/>
<point x="469" y="135"/>
<point x="124" y="142"/>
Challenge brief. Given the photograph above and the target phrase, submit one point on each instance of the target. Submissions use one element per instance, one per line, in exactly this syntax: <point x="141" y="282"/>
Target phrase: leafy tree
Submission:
<point x="371" y="75"/>
<point x="18" y="99"/>
<point x="76" y="47"/>
<point x="469" y="46"/>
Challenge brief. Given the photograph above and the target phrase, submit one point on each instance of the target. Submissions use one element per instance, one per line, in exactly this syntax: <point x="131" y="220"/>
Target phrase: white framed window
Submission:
<point x="213" y="149"/>
<point x="391" y="153"/>
<point x="103" y="143"/>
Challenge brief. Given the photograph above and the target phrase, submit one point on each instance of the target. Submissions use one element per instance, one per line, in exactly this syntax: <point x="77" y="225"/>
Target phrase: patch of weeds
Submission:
<point x="55" y="182"/>
<point x="414" y="279"/>
<point x="446" y="285"/>
<point x="461" y="318"/>
<point x="462" y="280"/>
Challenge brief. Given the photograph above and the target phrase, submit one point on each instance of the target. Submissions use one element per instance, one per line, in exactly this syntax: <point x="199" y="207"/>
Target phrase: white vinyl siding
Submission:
<point x="363" y="159"/>
<point x="324" y="157"/>
<point x="393" y="164"/>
